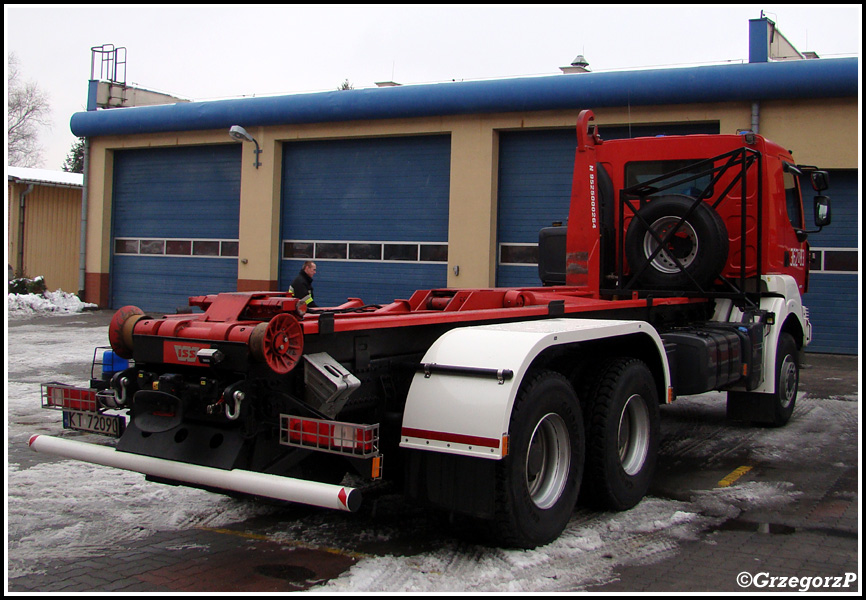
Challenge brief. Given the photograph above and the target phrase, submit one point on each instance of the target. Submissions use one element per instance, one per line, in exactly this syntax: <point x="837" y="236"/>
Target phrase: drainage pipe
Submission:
<point x="756" y="116"/>
<point x="82" y="245"/>
<point x="20" y="259"/>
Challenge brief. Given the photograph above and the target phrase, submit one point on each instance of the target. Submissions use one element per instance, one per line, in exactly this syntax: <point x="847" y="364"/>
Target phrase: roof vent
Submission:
<point x="578" y="65"/>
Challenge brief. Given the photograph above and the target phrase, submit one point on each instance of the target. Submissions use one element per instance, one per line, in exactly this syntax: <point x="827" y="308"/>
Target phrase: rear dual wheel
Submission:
<point x="537" y="484"/>
<point x="622" y="428"/>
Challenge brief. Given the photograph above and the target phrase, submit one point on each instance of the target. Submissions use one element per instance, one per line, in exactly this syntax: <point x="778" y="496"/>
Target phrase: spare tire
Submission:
<point x="695" y="254"/>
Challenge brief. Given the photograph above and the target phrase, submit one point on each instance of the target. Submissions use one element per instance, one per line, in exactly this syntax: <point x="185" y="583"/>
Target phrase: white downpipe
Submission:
<point x="248" y="482"/>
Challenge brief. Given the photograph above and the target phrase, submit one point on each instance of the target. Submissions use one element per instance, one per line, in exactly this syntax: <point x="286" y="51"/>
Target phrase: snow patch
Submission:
<point x="48" y="303"/>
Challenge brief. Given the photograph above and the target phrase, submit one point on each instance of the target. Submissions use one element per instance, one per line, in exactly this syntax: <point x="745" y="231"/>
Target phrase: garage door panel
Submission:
<point x="844" y="196"/>
<point x="177" y="192"/>
<point x="833" y="301"/>
<point x="378" y="192"/>
<point x="332" y="187"/>
<point x="165" y="284"/>
<point x="834" y="295"/>
<point x="174" y="224"/>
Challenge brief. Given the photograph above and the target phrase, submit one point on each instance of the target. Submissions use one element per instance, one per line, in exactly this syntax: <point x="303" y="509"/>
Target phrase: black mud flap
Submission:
<point x="188" y="442"/>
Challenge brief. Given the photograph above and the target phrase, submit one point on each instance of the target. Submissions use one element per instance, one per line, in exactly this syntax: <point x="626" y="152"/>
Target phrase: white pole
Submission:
<point x="248" y="482"/>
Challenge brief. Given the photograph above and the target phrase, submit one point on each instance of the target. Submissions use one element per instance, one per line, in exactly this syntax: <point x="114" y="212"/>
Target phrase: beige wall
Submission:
<point x="820" y="132"/>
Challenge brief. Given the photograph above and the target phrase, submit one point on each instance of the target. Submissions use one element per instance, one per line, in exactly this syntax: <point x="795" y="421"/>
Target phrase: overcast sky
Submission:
<point x="209" y="52"/>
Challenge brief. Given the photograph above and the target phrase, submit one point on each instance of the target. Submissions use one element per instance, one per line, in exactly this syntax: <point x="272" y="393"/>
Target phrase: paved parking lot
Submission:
<point x="810" y="544"/>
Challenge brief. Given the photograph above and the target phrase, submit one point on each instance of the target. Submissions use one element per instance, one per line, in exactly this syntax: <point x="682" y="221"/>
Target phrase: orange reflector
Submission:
<point x="376" y="472"/>
<point x="505" y="440"/>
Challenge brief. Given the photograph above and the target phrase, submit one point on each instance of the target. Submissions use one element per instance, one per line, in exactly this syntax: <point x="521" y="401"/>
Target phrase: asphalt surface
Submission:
<point x="810" y="544"/>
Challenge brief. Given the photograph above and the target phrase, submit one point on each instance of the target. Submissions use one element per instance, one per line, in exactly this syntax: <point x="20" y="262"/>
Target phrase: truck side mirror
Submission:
<point x="822" y="210"/>
<point x="820" y="180"/>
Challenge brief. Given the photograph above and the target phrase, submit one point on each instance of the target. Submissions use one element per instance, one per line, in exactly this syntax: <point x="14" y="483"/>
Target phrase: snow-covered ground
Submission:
<point x="58" y="508"/>
<point x="51" y="504"/>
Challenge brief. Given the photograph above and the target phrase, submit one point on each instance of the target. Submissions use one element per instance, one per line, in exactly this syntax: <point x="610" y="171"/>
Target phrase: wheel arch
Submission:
<point x="574" y="360"/>
<point x="793" y="326"/>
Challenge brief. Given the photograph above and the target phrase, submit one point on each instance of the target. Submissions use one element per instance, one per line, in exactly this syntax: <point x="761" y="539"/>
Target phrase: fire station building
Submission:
<point x="398" y="188"/>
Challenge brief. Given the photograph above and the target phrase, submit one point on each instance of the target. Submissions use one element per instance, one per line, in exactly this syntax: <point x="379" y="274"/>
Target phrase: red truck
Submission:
<point x="680" y="271"/>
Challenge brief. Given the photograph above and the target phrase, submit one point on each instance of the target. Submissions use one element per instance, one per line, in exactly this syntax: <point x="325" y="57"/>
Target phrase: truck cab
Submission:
<point x="682" y="214"/>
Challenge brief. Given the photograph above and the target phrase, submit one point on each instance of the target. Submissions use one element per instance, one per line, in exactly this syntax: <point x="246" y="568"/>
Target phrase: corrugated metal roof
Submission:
<point x="718" y="83"/>
<point x="45" y="176"/>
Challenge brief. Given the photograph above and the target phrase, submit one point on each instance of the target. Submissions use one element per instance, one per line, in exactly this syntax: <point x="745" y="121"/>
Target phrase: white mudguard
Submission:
<point x="468" y="412"/>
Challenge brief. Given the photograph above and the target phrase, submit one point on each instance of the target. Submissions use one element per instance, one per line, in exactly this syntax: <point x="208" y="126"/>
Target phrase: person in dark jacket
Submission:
<point x="302" y="286"/>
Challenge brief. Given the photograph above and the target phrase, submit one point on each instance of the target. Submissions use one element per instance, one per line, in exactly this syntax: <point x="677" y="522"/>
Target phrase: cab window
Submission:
<point x="792" y="196"/>
<point x="644" y="171"/>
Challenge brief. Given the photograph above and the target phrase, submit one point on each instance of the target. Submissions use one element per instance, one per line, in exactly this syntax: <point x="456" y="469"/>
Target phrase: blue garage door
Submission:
<point x="372" y="213"/>
<point x="834" y="296"/>
<point x="175" y="225"/>
<point x="535" y="172"/>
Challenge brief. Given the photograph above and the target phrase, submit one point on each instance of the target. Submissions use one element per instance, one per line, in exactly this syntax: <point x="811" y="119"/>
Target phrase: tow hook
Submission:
<point x="121" y="389"/>
<point x="232" y="398"/>
<point x="238" y="396"/>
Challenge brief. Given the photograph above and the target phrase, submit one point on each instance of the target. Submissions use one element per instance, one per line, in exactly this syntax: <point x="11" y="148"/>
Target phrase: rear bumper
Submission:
<point x="248" y="482"/>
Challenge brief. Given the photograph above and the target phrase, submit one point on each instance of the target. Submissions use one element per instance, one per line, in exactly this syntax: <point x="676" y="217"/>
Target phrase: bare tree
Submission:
<point x="28" y="111"/>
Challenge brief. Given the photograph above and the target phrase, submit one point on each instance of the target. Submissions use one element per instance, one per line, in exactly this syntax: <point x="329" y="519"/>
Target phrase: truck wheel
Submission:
<point x="787" y="379"/>
<point x="538" y="482"/>
<point x="700" y="244"/>
<point x="774" y="409"/>
<point x="622" y="426"/>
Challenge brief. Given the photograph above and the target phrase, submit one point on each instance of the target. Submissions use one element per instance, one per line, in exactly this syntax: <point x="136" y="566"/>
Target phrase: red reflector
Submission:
<point x="330" y="435"/>
<point x="310" y="433"/>
<point x="72" y="398"/>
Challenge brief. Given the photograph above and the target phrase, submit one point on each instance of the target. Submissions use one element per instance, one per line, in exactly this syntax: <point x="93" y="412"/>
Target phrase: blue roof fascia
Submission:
<point x="801" y="79"/>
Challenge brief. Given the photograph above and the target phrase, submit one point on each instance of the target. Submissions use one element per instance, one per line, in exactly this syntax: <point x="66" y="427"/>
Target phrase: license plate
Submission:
<point x="110" y="425"/>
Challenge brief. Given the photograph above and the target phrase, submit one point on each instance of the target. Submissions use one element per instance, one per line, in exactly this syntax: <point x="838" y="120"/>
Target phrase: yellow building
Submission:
<point x="44" y="226"/>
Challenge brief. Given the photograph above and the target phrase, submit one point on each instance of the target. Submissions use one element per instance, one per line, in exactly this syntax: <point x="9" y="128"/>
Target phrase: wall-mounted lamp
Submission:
<point x="240" y="134"/>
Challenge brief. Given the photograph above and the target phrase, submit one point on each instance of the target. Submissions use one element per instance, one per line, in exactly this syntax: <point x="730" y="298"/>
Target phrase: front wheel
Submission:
<point x="538" y="482"/>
